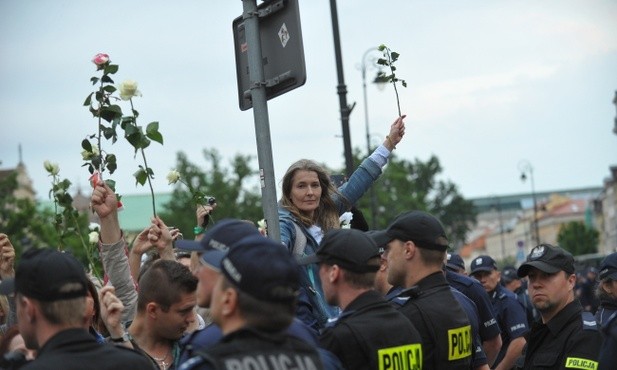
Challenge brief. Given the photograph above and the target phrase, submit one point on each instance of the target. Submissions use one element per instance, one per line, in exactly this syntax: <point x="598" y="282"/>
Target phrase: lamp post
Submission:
<point x="527" y="170"/>
<point x="367" y="62"/>
<point x="503" y="243"/>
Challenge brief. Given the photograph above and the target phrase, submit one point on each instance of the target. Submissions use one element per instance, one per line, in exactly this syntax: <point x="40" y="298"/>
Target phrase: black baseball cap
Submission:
<point x="548" y="258"/>
<point x="351" y="249"/>
<point x="47" y="275"/>
<point x="216" y="241"/>
<point x="608" y="267"/>
<point x="483" y="263"/>
<point x="454" y="262"/>
<point x="263" y="269"/>
<point x="509" y="274"/>
<point x="379" y="237"/>
<point x="421" y="228"/>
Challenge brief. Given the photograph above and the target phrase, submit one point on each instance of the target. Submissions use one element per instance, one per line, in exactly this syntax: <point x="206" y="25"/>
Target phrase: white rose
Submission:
<point x="93" y="237"/>
<point x="86" y="155"/>
<point x="173" y="176"/>
<point x="345" y="220"/>
<point x="128" y="89"/>
<point x="52" y="168"/>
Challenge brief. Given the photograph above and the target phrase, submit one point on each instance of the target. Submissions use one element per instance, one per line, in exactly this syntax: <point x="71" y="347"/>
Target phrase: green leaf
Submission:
<point x="140" y="176"/>
<point x="111" y="69"/>
<point x="109" y="113"/>
<point x="107" y="79"/>
<point x="94" y="80"/>
<point x="109" y="88"/>
<point x="392" y="68"/>
<point x="86" y="145"/>
<point x="152" y="132"/>
<point x="404" y="83"/>
<point x="381" y="47"/>
<point x="110" y="159"/>
<point x="88" y="99"/>
<point x="111" y="184"/>
<point x="382" y="61"/>
<point x="394" y="55"/>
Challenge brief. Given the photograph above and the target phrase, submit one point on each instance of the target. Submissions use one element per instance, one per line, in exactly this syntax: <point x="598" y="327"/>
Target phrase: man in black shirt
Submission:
<point x="415" y="254"/>
<point x="370" y="333"/>
<point x="50" y="292"/>
<point x="567" y="337"/>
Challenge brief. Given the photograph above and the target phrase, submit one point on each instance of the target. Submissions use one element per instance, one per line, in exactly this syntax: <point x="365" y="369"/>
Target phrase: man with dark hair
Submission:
<point x="253" y="303"/>
<point x="509" y="311"/>
<point x="369" y="333"/>
<point x="50" y="290"/>
<point x="567" y="336"/>
<point x="415" y="254"/>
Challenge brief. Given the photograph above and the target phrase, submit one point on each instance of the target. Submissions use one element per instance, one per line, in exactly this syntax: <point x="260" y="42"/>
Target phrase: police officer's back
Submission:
<point x="51" y="289"/>
<point x="253" y="303"/>
<point x="415" y="257"/>
<point x="607" y="312"/>
<point x="370" y="333"/>
<point x="567" y="337"/>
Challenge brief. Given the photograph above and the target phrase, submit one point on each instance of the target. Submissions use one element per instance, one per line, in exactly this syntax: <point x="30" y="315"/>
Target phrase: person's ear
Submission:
<point x="152" y="309"/>
<point x="29" y="308"/>
<point x="229" y="303"/>
<point x="409" y="249"/>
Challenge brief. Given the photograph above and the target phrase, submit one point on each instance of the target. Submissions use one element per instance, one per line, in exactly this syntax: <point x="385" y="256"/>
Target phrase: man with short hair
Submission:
<point x="415" y="254"/>
<point x="50" y="291"/>
<point x="508" y="310"/>
<point x="567" y="337"/>
<point x="253" y="303"/>
<point x="369" y="333"/>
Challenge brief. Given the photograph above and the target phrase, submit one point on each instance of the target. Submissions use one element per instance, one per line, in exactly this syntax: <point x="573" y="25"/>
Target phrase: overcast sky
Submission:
<point x="490" y="83"/>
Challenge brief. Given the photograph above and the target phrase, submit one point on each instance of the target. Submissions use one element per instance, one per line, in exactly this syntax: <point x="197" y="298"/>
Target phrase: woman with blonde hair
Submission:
<point x="311" y="205"/>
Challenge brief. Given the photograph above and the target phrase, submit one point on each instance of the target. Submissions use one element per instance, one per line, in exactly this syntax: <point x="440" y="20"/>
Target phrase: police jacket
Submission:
<point x="371" y="334"/>
<point x="472" y="288"/>
<point x="570" y="340"/>
<point x="608" y="306"/>
<point x="511" y="317"/>
<point x="608" y="353"/>
<point x="249" y="348"/>
<point x="478" y="357"/>
<point x="76" y="349"/>
<point x="442" y="323"/>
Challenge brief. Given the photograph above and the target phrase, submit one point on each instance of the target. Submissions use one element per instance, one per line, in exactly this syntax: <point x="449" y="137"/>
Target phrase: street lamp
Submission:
<point x="525" y="167"/>
<point x="369" y="61"/>
<point x="503" y="243"/>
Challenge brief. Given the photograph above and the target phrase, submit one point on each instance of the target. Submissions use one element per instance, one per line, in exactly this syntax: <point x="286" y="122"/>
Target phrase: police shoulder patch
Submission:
<point x="405" y="357"/>
<point x="581" y="363"/>
<point x="589" y="321"/>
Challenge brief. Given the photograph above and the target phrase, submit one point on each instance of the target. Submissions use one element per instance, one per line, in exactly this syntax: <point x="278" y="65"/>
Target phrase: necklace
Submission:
<point x="161" y="361"/>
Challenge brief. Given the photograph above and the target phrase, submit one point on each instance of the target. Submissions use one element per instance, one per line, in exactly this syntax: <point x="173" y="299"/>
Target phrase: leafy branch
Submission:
<point x="388" y="60"/>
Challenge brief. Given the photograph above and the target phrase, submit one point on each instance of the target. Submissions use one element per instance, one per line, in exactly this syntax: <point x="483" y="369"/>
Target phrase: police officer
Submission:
<point x="607" y="312"/>
<point x="508" y="310"/>
<point x="489" y="328"/>
<point x="50" y="290"/>
<point x="253" y="303"/>
<point x="567" y="338"/>
<point x="415" y="255"/>
<point x="511" y="281"/>
<point x="369" y="333"/>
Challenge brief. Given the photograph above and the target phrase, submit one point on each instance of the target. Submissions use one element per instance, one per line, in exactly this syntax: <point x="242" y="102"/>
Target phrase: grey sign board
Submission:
<point x="281" y="48"/>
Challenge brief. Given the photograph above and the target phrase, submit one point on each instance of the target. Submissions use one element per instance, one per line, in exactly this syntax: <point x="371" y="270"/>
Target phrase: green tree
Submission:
<point x="30" y="225"/>
<point x="414" y="185"/>
<point x="226" y="185"/>
<point x="577" y="238"/>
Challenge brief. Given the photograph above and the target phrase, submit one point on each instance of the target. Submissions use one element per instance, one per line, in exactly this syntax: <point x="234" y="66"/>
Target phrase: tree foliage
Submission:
<point x="414" y="185"/>
<point x="227" y="185"/>
<point x="577" y="238"/>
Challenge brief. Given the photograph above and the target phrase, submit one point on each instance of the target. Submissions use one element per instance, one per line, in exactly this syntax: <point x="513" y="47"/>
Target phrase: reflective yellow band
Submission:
<point x="407" y="357"/>
<point x="459" y="341"/>
<point x="580" y="363"/>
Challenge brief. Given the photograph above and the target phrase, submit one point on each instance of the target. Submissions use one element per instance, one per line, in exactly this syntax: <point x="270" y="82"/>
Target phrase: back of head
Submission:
<point x="267" y="280"/>
<point x="164" y="283"/>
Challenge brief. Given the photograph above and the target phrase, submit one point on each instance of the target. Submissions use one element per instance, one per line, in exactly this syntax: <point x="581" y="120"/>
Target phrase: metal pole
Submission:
<point x="503" y="243"/>
<point x="526" y="167"/>
<point x="260" y="115"/>
<point x="341" y="89"/>
<point x="372" y="193"/>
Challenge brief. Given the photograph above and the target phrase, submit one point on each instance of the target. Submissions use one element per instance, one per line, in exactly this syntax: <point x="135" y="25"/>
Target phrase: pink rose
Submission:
<point x="95" y="179"/>
<point x="100" y="60"/>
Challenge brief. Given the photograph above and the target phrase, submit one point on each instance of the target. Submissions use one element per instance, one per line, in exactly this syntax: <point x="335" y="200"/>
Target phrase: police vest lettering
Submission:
<point x="459" y="343"/>
<point x="407" y="357"/>
<point x="581" y="363"/>
<point x="279" y="361"/>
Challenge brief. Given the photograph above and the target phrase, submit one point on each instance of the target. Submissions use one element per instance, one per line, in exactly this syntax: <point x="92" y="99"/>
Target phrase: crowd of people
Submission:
<point x="324" y="297"/>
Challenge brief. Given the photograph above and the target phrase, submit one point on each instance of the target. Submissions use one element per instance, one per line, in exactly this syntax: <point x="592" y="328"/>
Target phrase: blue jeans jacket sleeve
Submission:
<point x="359" y="182"/>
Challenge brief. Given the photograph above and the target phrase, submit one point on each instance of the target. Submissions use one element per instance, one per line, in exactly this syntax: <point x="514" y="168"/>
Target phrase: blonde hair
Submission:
<point x="326" y="215"/>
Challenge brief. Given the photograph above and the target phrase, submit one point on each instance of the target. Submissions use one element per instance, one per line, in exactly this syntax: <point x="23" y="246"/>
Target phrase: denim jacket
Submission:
<point x="312" y="307"/>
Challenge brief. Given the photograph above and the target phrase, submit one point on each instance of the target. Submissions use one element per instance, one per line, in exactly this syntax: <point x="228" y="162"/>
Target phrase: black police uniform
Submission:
<point x="479" y="357"/>
<point x="371" y="334"/>
<point x="608" y="306"/>
<point x="511" y="317"/>
<point x="472" y="288"/>
<point x="442" y="323"/>
<point x="76" y="349"/>
<point x="570" y="340"/>
<point x="608" y="353"/>
<point x="248" y="348"/>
